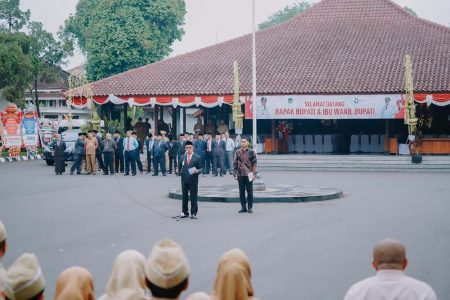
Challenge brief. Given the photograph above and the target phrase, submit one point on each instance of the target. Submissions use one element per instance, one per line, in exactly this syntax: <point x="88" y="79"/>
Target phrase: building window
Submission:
<point x="62" y="103"/>
<point x="50" y="117"/>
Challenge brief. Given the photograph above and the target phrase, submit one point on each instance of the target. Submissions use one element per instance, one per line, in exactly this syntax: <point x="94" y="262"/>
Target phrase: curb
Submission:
<point x="20" y="158"/>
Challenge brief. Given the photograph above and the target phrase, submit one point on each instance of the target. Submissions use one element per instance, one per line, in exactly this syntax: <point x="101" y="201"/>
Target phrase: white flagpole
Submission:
<point x="254" y="80"/>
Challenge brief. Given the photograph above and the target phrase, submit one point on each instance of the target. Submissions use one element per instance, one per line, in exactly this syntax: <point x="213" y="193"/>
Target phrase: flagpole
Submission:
<point x="254" y="78"/>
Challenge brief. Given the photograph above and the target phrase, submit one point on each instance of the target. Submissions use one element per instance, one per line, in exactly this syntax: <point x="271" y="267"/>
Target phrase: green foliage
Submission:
<point x="47" y="53"/>
<point x="285" y="14"/>
<point x="12" y="18"/>
<point x="114" y="125"/>
<point x="45" y="48"/>
<point x="410" y="11"/>
<point x="15" y="65"/>
<point x="121" y="35"/>
<point x="26" y="58"/>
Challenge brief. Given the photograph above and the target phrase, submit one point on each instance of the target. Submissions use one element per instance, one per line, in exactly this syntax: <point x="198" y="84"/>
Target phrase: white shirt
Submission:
<point x="230" y="144"/>
<point x="390" y="285"/>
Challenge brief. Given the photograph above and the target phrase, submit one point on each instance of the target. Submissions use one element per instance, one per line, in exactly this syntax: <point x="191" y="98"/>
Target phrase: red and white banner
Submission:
<point x="327" y="107"/>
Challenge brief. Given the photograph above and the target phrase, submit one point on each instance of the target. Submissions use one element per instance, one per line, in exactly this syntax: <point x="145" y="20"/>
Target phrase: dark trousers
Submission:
<point x="99" y="158"/>
<point x="109" y="162"/>
<point x="180" y="163"/>
<point x="138" y="161"/>
<point x="173" y="161"/>
<point x="130" y="158"/>
<point x="149" y="161"/>
<point x="209" y="163"/>
<point x="159" y="161"/>
<point x="245" y="184"/>
<point x="202" y="159"/>
<point x="118" y="162"/>
<point x="219" y="162"/>
<point x="189" y="190"/>
<point x="77" y="160"/>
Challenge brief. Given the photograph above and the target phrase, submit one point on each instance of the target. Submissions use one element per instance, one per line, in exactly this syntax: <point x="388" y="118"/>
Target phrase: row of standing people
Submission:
<point x="121" y="154"/>
<point x="216" y="154"/>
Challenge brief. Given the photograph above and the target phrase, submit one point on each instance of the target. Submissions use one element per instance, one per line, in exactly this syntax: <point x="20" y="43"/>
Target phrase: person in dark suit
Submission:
<point x="149" y="146"/>
<point x="58" y="150"/>
<point x="138" y="156"/>
<point x="118" y="153"/>
<point x="218" y="151"/>
<point x="191" y="167"/>
<point x="78" y="154"/>
<point x="159" y="156"/>
<point x="174" y="145"/>
<point x="209" y="162"/>
<point x="200" y="148"/>
<point x="109" y="146"/>
<point x="130" y="144"/>
<point x="181" y="150"/>
<point x="99" y="150"/>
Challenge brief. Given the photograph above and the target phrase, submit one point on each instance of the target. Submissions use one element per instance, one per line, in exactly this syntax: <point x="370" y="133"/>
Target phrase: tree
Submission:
<point x="117" y="35"/>
<point x="410" y="11"/>
<point x="47" y="55"/>
<point x="12" y="18"/>
<point x="15" y="65"/>
<point x="285" y="14"/>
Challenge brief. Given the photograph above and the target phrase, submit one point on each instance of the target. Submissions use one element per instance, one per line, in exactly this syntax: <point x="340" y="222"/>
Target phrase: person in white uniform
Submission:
<point x="390" y="282"/>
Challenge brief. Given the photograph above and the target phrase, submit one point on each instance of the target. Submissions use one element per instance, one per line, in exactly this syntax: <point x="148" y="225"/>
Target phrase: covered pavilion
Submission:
<point x="345" y="55"/>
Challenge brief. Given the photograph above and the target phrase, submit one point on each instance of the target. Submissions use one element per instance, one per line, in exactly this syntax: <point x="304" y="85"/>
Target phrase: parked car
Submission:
<point x="69" y="137"/>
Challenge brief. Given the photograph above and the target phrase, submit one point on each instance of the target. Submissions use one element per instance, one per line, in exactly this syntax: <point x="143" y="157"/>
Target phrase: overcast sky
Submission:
<point x="211" y="21"/>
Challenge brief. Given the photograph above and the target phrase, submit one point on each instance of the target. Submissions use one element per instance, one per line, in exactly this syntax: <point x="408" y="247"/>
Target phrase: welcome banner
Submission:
<point x="327" y="107"/>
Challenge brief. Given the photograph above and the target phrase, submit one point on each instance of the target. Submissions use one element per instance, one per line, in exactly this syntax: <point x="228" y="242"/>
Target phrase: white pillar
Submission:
<point x="255" y="144"/>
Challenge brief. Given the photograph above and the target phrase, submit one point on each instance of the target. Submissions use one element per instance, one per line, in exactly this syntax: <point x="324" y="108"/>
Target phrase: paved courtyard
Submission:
<point x="297" y="251"/>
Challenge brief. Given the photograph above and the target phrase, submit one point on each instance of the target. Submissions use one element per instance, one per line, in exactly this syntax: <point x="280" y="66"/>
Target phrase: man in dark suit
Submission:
<point x="118" y="153"/>
<point x="138" y="155"/>
<point x="200" y="148"/>
<point x="181" y="151"/>
<point x="159" y="156"/>
<point x="209" y="163"/>
<point x="78" y="154"/>
<point x="174" y="145"/>
<point x="99" y="150"/>
<point x="191" y="167"/>
<point x="149" y="145"/>
<point x="218" y="150"/>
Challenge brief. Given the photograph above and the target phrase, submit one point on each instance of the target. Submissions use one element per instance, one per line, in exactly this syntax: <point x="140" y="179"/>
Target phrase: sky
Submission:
<point x="210" y="21"/>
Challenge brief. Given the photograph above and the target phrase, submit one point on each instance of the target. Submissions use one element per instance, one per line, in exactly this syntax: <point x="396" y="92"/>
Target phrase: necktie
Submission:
<point x="188" y="159"/>
<point x="209" y="145"/>
<point x="128" y="144"/>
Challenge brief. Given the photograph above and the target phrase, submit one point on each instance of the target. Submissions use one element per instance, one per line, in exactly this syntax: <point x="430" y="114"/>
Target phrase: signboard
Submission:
<point x="10" y="127"/>
<point x="327" y="107"/>
<point x="30" y="129"/>
<point x="47" y="130"/>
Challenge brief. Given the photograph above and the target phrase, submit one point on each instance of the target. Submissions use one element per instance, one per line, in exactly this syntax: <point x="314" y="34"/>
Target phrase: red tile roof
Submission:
<point x="336" y="47"/>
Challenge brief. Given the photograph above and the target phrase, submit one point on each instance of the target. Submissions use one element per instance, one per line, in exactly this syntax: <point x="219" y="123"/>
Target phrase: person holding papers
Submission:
<point x="191" y="167"/>
<point x="244" y="170"/>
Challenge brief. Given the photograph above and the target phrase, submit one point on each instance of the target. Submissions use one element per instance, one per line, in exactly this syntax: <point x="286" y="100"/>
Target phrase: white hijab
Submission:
<point x="128" y="274"/>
